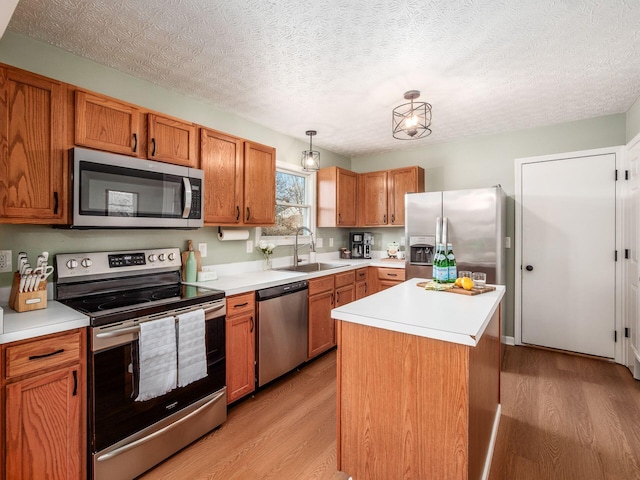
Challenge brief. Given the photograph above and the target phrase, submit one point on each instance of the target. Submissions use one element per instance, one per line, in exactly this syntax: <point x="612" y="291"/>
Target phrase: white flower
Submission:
<point x="266" y="248"/>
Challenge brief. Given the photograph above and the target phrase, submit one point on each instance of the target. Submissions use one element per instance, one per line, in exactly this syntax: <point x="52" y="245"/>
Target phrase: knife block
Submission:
<point x="27" y="301"/>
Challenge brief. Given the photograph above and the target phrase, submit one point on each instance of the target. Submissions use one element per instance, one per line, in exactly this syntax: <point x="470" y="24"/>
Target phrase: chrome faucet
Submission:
<point x="312" y="245"/>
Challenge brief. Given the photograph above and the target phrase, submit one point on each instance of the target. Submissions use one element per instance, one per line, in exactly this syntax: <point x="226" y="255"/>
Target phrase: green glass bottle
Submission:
<point x="441" y="264"/>
<point x="452" y="268"/>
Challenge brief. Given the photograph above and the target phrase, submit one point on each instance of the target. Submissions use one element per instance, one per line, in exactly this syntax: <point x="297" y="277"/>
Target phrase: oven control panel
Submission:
<point x="103" y="264"/>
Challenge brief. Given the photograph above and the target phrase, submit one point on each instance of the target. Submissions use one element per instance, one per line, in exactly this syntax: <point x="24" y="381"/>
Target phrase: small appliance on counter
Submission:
<point x="360" y="244"/>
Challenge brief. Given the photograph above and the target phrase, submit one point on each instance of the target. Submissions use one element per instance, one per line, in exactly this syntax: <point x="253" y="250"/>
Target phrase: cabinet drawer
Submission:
<point x="391" y="274"/>
<point x="361" y="274"/>
<point x="344" y="279"/>
<point x="43" y="353"/>
<point x="241" y="304"/>
<point x="321" y="284"/>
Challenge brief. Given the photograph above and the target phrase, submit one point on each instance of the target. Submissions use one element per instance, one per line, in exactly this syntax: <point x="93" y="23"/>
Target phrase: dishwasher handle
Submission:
<point x="281" y="290"/>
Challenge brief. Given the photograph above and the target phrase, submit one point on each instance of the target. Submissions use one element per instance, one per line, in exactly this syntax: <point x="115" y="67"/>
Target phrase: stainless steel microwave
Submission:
<point x="116" y="191"/>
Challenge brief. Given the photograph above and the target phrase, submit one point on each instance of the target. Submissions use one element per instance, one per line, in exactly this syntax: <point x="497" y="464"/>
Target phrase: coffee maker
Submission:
<point x="360" y="244"/>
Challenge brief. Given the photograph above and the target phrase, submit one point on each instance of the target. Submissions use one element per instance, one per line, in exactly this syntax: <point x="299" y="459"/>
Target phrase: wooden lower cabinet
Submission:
<point x="362" y="283"/>
<point x="45" y="407"/>
<point x="345" y="288"/>
<point x="240" y="345"/>
<point x="387" y="277"/>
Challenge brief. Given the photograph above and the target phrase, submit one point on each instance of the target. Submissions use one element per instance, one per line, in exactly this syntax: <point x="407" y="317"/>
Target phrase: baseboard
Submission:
<point x="492" y="444"/>
<point x="508" y="340"/>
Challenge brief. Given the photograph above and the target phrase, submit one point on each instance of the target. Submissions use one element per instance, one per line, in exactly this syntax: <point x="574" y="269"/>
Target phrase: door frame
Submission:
<point x="620" y="346"/>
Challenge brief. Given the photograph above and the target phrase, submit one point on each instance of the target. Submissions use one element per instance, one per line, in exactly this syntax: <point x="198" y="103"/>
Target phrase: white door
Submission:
<point x="567" y="252"/>
<point x="632" y="236"/>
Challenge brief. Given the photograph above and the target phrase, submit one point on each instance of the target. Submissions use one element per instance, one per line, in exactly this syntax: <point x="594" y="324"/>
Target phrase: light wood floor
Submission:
<point x="564" y="417"/>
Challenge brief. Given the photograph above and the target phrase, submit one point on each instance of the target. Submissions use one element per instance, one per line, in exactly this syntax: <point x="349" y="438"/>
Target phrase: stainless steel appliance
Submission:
<point x="473" y="220"/>
<point x="116" y="191"/>
<point x="120" y="291"/>
<point x="360" y="244"/>
<point x="282" y="330"/>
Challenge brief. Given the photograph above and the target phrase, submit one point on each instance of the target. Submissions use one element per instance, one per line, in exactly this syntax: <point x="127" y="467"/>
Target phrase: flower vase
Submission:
<point x="267" y="263"/>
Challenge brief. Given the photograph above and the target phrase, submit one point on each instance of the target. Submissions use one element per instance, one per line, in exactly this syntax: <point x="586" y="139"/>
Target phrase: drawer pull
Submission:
<point x="36" y="357"/>
<point x="392" y="274"/>
<point x="241" y="305"/>
<point x="75" y="383"/>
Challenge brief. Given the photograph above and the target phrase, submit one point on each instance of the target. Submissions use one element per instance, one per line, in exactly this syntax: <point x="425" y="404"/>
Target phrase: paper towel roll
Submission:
<point x="225" y="234"/>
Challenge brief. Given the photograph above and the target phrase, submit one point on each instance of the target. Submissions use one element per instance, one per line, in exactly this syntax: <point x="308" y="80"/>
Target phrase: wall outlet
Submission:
<point x="330" y="242"/>
<point x="5" y="261"/>
<point x="319" y="242"/>
<point x="402" y="241"/>
<point x="203" y="249"/>
<point x="249" y="246"/>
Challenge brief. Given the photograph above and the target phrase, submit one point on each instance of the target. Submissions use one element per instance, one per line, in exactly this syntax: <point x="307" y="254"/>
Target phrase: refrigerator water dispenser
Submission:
<point x="421" y="249"/>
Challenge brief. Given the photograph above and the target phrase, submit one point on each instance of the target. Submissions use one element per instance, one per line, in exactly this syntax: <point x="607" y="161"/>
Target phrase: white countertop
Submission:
<point x="407" y="308"/>
<point x="246" y="282"/>
<point x="53" y="319"/>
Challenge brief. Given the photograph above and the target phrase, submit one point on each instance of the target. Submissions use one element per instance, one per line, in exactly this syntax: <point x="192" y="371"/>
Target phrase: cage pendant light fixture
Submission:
<point x="412" y="120"/>
<point x="310" y="158"/>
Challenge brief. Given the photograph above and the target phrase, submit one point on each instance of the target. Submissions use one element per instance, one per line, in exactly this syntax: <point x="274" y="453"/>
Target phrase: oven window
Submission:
<point x="107" y="190"/>
<point x="115" y="414"/>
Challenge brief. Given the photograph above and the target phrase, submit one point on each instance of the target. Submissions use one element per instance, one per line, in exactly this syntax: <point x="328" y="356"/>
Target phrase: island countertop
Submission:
<point x="407" y="308"/>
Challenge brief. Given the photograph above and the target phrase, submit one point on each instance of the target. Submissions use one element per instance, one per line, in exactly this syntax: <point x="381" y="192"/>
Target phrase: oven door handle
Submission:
<point x="163" y="430"/>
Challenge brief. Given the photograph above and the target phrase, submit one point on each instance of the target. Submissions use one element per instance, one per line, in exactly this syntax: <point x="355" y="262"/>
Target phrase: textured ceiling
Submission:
<point x="340" y="66"/>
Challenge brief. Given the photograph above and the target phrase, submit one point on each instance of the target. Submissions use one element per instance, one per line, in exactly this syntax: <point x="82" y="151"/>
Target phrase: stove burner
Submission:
<point x="122" y="303"/>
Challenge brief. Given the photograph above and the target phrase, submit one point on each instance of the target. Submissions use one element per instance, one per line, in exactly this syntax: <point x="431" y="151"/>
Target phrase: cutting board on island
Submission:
<point x="185" y="255"/>
<point x="461" y="291"/>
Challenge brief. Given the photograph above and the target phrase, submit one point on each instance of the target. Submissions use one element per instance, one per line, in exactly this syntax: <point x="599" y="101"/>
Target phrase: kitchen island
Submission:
<point x="418" y="384"/>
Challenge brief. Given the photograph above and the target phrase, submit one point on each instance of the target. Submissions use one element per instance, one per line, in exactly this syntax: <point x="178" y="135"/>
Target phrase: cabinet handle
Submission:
<point x="338" y="297"/>
<point x="248" y="213"/>
<point x="237" y="213"/>
<point x="332" y="299"/>
<point x="366" y="288"/>
<point x="339" y="218"/>
<point x="153" y="144"/>
<point x="135" y="142"/>
<point x="55" y="203"/>
<point x="393" y="218"/>
<point x="45" y="355"/>
<point x="392" y="274"/>
<point x="384" y="218"/>
<point x="252" y="324"/>
<point x="241" y="305"/>
<point x="75" y="383"/>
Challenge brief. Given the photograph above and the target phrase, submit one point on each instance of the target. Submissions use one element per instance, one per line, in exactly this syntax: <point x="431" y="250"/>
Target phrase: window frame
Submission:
<point x="310" y="189"/>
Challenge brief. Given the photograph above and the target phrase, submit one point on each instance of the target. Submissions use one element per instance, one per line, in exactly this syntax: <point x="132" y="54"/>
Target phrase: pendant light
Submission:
<point x="310" y="158"/>
<point x="412" y="120"/>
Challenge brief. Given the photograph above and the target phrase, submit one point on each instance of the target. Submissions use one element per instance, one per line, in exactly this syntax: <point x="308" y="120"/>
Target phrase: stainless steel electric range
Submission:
<point x="120" y="291"/>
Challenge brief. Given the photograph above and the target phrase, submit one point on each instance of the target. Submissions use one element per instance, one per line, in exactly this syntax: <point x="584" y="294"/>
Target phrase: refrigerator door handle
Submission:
<point x="445" y="231"/>
<point x="438" y="229"/>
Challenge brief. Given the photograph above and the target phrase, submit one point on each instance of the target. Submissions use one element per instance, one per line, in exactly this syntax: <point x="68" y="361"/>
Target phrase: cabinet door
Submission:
<point x="321" y="325"/>
<point x="259" y="184"/>
<point x="221" y="160"/>
<point x="44" y="429"/>
<point x="32" y="172"/>
<point x="345" y="295"/>
<point x="240" y="356"/>
<point x="106" y="124"/>
<point x="172" y="141"/>
<point x="401" y="181"/>
<point x="373" y="198"/>
<point x="347" y="185"/>
<point x="361" y="290"/>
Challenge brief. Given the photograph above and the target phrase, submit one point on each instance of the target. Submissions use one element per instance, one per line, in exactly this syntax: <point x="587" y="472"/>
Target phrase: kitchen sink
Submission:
<point x="312" y="267"/>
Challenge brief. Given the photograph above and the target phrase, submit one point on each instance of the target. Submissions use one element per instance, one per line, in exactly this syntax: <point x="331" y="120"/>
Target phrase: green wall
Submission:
<point x="485" y="161"/>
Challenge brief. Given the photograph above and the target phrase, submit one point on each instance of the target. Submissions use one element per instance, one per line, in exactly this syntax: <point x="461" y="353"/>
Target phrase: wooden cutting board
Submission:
<point x="185" y="256"/>
<point x="461" y="291"/>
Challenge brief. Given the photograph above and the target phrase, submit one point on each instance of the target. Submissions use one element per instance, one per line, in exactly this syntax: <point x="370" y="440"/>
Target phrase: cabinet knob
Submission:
<point x="529" y="268"/>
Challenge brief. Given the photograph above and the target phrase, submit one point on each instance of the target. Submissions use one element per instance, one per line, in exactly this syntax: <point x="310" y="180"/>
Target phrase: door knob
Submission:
<point x="529" y="268"/>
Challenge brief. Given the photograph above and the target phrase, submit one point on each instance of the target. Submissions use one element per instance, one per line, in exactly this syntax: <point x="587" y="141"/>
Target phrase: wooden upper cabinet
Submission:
<point x="337" y="193"/>
<point x="221" y="159"/>
<point x="33" y="175"/>
<point x="381" y="195"/>
<point x="106" y="124"/>
<point x="373" y="198"/>
<point x="171" y="140"/>
<point x="402" y="181"/>
<point x="259" y="184"/>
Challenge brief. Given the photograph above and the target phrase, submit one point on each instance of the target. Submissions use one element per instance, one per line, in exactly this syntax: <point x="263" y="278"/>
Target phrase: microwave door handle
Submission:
<point x="187" y="197"/>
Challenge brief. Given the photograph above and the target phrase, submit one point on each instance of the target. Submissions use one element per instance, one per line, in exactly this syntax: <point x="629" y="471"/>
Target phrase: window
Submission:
<point x="295" y="204"/>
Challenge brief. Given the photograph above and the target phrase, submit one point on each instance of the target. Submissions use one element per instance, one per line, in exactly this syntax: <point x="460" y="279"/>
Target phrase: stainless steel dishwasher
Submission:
<point x="281" y="329"/>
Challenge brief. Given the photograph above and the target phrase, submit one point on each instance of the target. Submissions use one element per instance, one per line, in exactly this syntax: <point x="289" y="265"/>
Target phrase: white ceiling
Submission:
<point x="340" y="66"/>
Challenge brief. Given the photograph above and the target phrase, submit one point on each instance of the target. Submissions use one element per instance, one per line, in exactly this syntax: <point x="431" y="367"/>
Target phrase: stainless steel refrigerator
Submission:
<point x="474" y="221"/>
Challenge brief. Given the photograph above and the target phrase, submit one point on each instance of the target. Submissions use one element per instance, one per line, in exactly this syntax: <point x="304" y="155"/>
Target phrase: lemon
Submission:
<point x="459" y="282"/>
<point x="467" y="283"/>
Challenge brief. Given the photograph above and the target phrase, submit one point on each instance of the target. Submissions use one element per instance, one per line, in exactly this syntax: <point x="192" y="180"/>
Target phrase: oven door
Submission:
<point x="114" y="414"/>
<point x="115" y="191"/>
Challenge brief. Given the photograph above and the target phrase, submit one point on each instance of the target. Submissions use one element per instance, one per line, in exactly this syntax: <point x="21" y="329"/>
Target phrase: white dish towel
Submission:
<point x="158" y="364"/>
<point x="192" y="349"/>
